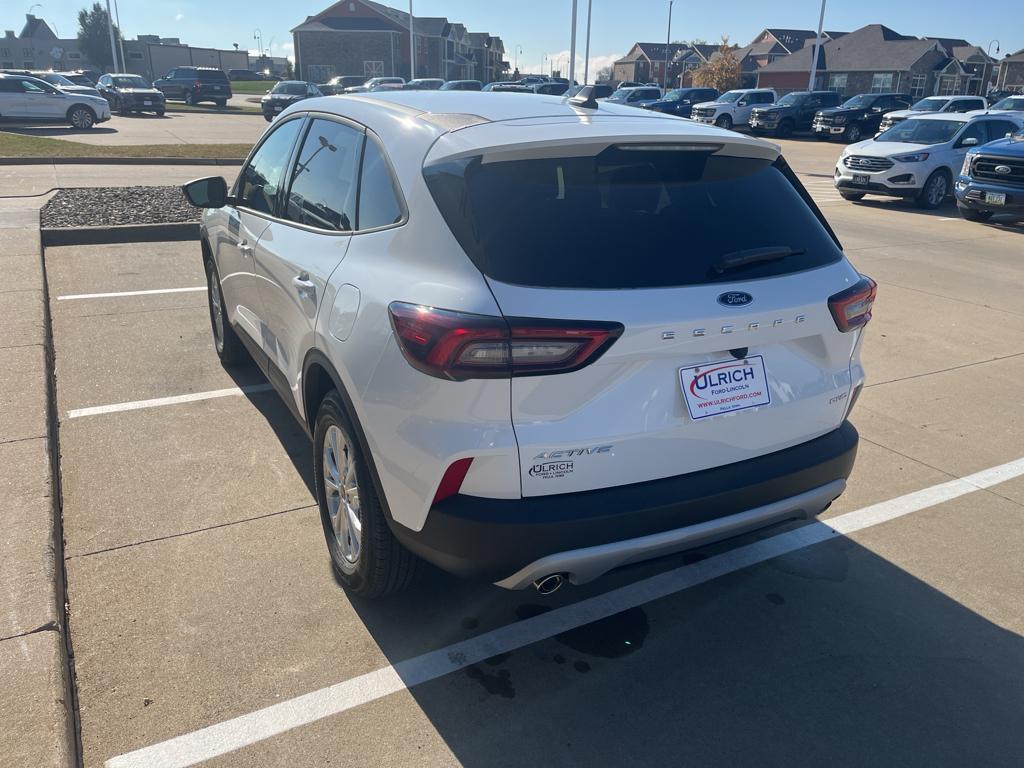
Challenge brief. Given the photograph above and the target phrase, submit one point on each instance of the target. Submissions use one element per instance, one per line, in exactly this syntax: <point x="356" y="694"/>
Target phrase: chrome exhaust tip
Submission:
<point x="549" y="584"/>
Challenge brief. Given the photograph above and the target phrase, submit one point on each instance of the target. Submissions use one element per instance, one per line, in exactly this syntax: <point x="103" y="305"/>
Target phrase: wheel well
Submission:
<point x="317" y="383"/>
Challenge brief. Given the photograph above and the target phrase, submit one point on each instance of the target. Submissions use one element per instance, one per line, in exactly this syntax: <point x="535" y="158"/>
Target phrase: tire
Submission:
<point x="221" y="103"/>
<point x="365" y="555"/>
<point x="81" y="118"/>
<point x="122" y="110"/>
<point x="935" y="190"/>
<point x="725" y="121"/>
<point x="268" y="118"/>
<point x="851" y="196"/>
<point x="229" y="347"/>
<point x="853" y="133"/>
<point x="972" y="214"/>
<point x="785" y="129"/>
<point x="190" y="98"/>
<point x="822" y="136"/>
<point x="161" y="112"/>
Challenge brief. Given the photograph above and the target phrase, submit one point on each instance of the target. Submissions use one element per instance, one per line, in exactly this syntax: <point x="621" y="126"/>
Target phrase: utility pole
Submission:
<point x="120" y="38"/>
<point x="110" y="29"/>
<point x="668" y="42"/>
<point x="586" y="56"/>
<point x="817" y="48"/>
<point x="412" y="47"/>
<point x="572" y="47"/>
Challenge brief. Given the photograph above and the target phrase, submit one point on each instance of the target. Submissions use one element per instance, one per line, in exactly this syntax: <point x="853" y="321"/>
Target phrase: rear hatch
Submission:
<point x="722" y="355"/>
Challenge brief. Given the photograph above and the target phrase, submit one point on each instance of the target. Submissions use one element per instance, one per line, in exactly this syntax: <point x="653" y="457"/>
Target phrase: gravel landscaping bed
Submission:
<point x="109" y="206"/>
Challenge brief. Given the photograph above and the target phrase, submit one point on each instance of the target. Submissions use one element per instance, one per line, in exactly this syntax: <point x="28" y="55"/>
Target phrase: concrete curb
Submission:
<point x="125" y="233"/>
<point x="37" y="709"/>
<point x="121" y="160"/>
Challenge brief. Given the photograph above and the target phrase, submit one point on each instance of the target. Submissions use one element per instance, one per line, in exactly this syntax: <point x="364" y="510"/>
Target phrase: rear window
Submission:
<point x="626" y="218"/>
<point x="211" y="74"/>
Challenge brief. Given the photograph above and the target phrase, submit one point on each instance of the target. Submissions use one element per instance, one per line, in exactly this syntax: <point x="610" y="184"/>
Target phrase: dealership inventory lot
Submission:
<point x="199" y="590"/>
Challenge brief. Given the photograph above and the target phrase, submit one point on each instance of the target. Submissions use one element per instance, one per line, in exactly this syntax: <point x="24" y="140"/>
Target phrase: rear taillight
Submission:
<point x="459" y="346"/>
<point x="852" y="308"/>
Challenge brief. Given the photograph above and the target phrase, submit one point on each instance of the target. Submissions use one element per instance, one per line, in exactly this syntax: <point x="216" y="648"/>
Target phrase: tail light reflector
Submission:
<point x="852" y="308"/>
<point x="452" y="479"/>
<point x="459" y="346"/>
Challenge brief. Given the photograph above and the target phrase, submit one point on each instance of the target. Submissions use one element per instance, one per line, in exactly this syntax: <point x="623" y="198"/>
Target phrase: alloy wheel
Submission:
<point x="341" y="489"/>
<point x="937" y="190"/>
<point x="216" y="312"/>
<point x="81" y="118"/>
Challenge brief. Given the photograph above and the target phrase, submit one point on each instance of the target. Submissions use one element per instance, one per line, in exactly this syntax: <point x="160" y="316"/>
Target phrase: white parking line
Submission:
<point x="119" y="294"/>
<point x="136" y="405"/>
<point x="248" y="729"/>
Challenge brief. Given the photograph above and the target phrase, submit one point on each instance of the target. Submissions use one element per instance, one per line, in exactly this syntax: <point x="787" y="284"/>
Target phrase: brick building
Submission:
<point x="1011" y="73"/>
<point x="368" y="39"/>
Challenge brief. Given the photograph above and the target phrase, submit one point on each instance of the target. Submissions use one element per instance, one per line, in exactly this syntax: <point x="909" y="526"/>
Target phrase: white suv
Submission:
<point x="919" y="157"/>
<point x="733" y="107"/>
<point x="934" y="104"/>
<point x="510" y="363"/>
<point x="29" y="98"/>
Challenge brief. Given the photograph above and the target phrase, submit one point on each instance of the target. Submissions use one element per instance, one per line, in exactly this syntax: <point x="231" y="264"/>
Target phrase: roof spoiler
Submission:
<point x="585" y="98"/>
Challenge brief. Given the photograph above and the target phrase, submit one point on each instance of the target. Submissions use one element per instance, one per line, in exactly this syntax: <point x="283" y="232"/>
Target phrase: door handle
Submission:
<point x="304" y="286"/>
<point x="245" y="248"/>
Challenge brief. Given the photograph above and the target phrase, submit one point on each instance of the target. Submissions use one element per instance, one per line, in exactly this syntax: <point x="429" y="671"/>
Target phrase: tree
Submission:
<point x="604" y="74"/>
<point x="723" y="71"/>
<point x="94" y="37"/>
<point x="289" y="73"/>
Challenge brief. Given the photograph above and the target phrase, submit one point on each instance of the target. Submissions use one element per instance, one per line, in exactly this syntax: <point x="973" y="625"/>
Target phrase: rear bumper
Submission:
<point x="513" y="541"/>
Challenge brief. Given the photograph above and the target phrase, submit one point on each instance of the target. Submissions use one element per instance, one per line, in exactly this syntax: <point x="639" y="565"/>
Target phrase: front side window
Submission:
<point x="261" y="179"/>
<point x="999" y="129"/>
<point x="378" y="202"/>
<point x="323" y="187"/>
<point x="578" y="218"/>
<point x="34" y="88"/>
<point x="974" y="131"/>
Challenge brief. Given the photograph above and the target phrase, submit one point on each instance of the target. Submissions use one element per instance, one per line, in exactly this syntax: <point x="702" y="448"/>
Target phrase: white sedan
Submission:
<point x="919" y="157"/>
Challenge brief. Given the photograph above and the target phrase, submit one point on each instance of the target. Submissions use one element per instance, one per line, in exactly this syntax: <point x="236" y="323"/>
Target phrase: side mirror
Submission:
<point x="877" y="134"/>
<point x="741" y="104"/>
<point x="211" y="192"/>
<point x="970" y="141"/>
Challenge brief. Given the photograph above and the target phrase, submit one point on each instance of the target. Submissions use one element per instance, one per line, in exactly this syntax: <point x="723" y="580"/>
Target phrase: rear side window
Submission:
<point x="212" y="74"/>
<point x="378" y="203"/>
<point x="323" y="189"/>
<point x="262" y="178"/>
<point x="626" y="218"/>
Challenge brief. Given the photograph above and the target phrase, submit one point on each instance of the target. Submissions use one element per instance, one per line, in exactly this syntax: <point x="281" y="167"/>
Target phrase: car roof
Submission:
<point x="960" y="117"/>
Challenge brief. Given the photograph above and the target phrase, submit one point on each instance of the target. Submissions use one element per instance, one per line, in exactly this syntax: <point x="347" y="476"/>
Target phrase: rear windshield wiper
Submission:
<point x="737" y="259"/>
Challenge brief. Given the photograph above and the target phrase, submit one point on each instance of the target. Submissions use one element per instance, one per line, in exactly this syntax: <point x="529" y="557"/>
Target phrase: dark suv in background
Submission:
<point x="195" y="84"/>
<point x="859" y="116"/>
<point x="129" y="93"/>
<point x="793" y="112"/>
<point x="680" y="101"/>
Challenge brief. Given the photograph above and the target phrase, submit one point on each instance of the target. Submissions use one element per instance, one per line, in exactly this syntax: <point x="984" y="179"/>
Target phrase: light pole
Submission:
<point x="412" y="47"/>
<point x="120" y="38"/>
<point x="586" y="55"/>
<point x="817" y="49"/>
<point x="990" y="47"/>
<point x="110" y="29"/>
<point x="668" y="42"/>
<point x="572" y="47"/>
<point x="257" y="35"/>
<point x="518" y="50"/>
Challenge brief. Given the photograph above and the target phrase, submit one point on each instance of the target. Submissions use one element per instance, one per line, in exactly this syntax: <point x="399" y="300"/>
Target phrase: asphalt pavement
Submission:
<point x="206" y="624"/>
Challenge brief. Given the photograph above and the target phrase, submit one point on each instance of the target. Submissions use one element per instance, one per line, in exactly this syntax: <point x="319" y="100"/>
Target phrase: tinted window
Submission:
<point x="378" y="204"/>
<point x="211" y="74"/>
<point x="9" y="86"/>
<point x="33" y="87"/>
<point x="973" y="131"/>
<point x="261" y="179"/>
<point x="997" y="129"/>
<point x="323" y="189"/>
<point x="614" y="220"/>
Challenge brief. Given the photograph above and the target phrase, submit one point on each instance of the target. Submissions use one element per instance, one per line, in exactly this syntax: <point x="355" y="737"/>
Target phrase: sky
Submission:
<point x="542" y="27"/>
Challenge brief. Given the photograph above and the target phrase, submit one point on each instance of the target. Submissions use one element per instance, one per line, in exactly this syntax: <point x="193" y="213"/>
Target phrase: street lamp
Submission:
<point x="990" y="47"/>
<point x="257" y="35"/>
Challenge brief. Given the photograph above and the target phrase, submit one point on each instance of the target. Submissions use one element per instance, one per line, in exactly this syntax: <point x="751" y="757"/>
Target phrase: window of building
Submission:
<point x="134" y="55"/>
<point x="5" y="52"/>
<point x="881" y="82"/>
<point x="948" y="85"/>
<point x="323" y="190"/>
<point x="373" y="68"/>
<point x="378" y="202"/>
<point x="837" y="83"/>
<point x="917" y="83"/>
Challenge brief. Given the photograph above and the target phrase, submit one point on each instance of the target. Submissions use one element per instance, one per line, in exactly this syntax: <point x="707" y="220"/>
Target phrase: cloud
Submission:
<point x="560" y="60"/>
<point x="179" y="16"/>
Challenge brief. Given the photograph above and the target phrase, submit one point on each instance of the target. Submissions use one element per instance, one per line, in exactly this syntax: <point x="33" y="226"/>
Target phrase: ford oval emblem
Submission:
<point x="735" y="299"/>
<point x="1003" y="169"/>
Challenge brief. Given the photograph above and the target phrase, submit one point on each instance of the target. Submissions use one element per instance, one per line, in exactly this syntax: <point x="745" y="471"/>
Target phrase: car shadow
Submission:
<point x="35" y="129"/>
<point x="830" y="655"/>
<point x="288" y="431"/>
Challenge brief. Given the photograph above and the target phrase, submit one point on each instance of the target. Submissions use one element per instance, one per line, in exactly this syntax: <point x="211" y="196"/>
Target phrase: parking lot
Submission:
<point x="206" y="624"/>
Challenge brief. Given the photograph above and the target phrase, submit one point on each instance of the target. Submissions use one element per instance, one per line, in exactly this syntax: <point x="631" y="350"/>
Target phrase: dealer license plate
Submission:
<point x="859" y="178"/>
<point x="995" y="198"/>
<point x="723" y="387"/>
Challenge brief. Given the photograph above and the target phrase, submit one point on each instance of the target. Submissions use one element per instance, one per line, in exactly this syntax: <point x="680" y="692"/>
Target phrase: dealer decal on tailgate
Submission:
<point x="730" y="385"/>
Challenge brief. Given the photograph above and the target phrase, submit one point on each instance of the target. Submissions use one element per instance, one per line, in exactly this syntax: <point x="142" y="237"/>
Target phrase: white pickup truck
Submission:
<point x="733" y="107"/>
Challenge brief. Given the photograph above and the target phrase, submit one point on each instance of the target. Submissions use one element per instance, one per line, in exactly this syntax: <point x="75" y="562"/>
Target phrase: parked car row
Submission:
<point x="23" y="97"/>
